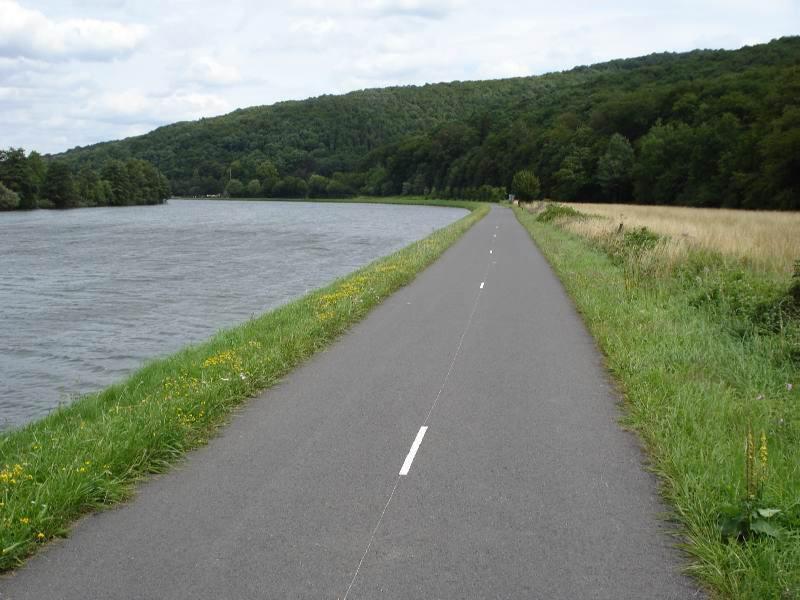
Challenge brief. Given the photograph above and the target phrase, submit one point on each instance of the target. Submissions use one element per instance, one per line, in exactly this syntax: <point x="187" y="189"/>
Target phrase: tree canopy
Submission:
<point x="28" y="181"/>
<point x="701" y="128"/>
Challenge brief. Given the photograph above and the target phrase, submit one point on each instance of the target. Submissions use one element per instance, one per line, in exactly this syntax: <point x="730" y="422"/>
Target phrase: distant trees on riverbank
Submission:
<point x="701" y="128"/>
<point x="27" y="181"/>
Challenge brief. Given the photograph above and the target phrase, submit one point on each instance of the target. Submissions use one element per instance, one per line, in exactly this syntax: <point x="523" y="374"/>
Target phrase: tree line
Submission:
<point x="28" y="181"/>
<point x="702" y="128"/>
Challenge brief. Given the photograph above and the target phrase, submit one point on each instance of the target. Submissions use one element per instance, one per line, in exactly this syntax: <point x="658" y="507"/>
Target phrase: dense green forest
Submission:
<point x="703" y="128"/>
<point x="27" y="181"/>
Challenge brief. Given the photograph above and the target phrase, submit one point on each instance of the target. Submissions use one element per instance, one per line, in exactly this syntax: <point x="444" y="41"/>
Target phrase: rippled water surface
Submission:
<point x="87" y="295"/>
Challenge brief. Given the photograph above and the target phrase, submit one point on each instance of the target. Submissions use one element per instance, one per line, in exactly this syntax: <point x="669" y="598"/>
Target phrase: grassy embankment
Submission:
<point x="704" y="342"/>
<point x="90" y="453"/>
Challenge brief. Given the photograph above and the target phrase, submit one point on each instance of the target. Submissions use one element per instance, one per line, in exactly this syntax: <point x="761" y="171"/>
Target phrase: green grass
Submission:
<point x="702" y="352"/>
<point x="89" y="454"/>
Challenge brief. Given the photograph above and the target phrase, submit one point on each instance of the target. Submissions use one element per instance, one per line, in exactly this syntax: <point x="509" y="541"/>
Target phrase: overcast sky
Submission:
<point x="74" y="72"/>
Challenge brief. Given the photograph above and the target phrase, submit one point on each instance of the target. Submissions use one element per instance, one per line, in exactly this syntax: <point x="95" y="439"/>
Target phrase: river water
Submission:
<point x="87" y="295"/>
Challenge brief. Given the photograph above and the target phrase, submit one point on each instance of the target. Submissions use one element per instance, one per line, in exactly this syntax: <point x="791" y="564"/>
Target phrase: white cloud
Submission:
<point x="205" y="69"/>
<point x="426" y="9"/>
<point x="502" y="69"/>
<point x="81" y="71"/>
<point x="431" y="9"/>
<point x="136" y="107"/>
<point x="30" y="34"/>
<point x="314" y="26"/>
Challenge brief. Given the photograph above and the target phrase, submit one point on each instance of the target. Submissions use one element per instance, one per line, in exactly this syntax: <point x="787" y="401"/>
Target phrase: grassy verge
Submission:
<point x="704" y="350"/>
<point x="89" y="454"/>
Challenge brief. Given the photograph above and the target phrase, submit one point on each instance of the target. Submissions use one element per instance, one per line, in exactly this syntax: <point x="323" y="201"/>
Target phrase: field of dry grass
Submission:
<point x="763" y="240"/>
<point x="707" y="353"/>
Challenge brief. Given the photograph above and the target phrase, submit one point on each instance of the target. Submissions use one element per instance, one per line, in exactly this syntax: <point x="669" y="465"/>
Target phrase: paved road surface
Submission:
<point x="523" y="484"/>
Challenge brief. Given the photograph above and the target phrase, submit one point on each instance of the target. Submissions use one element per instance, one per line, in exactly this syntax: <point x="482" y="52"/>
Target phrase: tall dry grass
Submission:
<point x="763" y="240"/>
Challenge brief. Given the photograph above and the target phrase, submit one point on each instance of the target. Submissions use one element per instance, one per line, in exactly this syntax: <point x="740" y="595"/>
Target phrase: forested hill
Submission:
<point x="706" y="128"/>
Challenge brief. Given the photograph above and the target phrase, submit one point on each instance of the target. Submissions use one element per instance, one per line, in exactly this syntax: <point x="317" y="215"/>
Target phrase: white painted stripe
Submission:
<point x="495" y="235"/>
<point x="490" y="251"/>
<point x="482" y="282"/>
<point x="413" y="452"/>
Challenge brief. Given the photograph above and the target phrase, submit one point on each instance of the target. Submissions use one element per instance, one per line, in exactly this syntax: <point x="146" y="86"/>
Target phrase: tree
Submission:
<point x="254" y="188"/>
<point x="662" y="171"/>
<point x="235" y="188"/>
<point x="267" y="173"/>
<point x="526" y="185"/>
<point x="59" y="186"/>
<point x="290" y="187"/>
<point x="88" y="187"/>
<point x="338" y="188"/>
<point x="9" y="200"/>
<point x="781" y="149"/>
<point x="615" y="168"/>
<point x="17" y="175"/>
<point x="318" y="186"/>
<point x="115" y="172"/>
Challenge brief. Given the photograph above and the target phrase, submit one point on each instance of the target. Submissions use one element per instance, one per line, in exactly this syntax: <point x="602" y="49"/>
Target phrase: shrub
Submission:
<point x="526" y="185"/>
<point x="555" y="211"/>
<point x="9" y="199"/>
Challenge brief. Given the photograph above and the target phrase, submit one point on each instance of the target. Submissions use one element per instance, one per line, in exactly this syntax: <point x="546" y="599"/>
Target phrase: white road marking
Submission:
<point x="482" y="282"/>
<point x="419" y="436"/>
<point x="495" y="235"/>
<point x="413" y="452"/>
<point x="490" y="251"/>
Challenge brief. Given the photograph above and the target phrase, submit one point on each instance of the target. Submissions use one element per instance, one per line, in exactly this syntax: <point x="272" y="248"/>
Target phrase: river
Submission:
<point x="87" y="295"/>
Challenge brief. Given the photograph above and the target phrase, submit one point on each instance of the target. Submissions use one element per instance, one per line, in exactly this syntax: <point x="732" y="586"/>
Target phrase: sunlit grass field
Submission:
<point x="763" y="240"/>
<point x="90" y="453"/>
<point x="704" y="341"/>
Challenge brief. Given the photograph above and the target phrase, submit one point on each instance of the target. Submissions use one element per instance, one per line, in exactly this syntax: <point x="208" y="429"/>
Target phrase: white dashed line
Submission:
<point x="490" y="251"/>
<point x="482" y="282"/>
<point x="413" y="452"/>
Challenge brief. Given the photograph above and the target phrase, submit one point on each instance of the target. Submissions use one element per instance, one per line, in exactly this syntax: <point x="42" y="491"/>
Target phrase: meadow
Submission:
<point x="89" y="454"/>
<point x="702" y="333"/>
<point x="761" y="240"/>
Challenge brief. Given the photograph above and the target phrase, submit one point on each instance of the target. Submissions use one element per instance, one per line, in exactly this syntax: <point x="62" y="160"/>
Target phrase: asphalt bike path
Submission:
<point x="460" y="442"/>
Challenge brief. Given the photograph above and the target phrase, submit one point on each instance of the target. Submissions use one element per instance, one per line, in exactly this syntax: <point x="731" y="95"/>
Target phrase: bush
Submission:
<point x="290" y="187"/>
<point x="555" y="211"/>
<point x="526" y="185"/>
<point x="9" y="200"/>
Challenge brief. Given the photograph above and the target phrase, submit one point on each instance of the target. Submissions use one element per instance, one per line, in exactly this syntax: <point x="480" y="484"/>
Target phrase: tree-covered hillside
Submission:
<point x="706" y="128"/>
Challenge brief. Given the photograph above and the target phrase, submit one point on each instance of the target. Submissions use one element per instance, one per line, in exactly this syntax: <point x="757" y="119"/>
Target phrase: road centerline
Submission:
<point x="413" y="451"/>
<point x="420" y="434"/>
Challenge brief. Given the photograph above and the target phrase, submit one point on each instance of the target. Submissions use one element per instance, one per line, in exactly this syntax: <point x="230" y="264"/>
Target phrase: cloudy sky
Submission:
<point x="74" y="72"/>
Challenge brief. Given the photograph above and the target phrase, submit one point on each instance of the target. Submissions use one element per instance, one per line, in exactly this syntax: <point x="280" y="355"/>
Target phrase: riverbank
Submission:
<point x="402" y="200"/>
<point x="705" y="350"/>
<point x="90" y="454"/>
